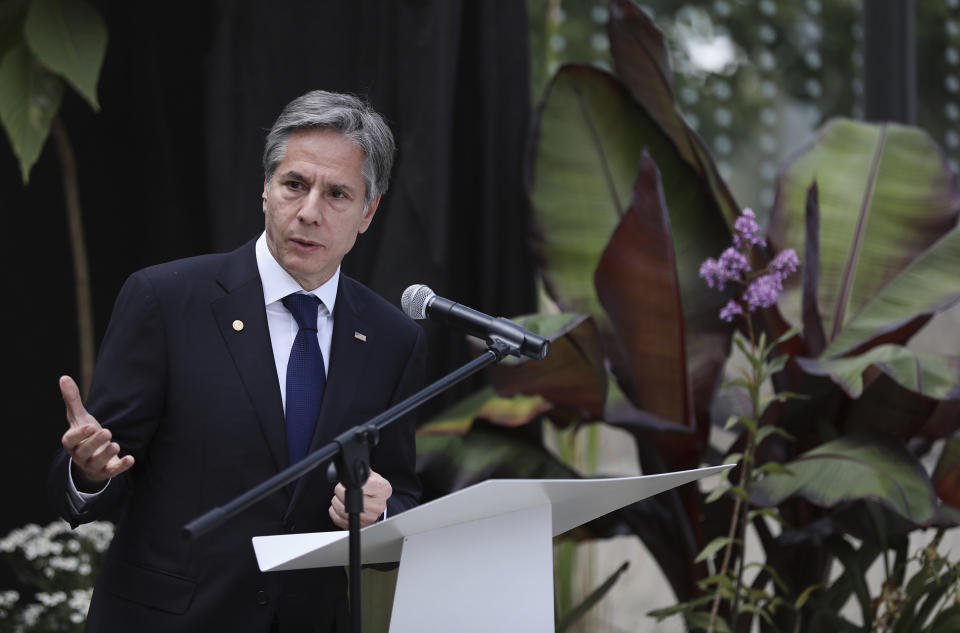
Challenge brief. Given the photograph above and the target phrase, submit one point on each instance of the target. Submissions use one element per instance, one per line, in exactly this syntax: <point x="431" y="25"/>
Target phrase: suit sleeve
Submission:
<point x="126" y="396"/>
<point x="395" y="456"/>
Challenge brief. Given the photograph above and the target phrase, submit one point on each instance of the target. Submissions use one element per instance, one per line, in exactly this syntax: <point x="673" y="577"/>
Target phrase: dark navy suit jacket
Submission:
<point x="196" y="400"/>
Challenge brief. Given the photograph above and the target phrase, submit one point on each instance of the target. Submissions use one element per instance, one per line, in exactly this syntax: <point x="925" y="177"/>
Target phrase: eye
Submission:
<point x="339" y="194"/>
<point x="295" y="185"/>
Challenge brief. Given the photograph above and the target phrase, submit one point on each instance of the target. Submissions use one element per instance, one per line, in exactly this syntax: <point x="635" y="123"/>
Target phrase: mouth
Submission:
<point x="304" y="244"/>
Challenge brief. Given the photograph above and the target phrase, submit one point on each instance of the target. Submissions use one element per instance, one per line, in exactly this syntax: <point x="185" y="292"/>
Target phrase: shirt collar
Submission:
<point x="277" y="283"/>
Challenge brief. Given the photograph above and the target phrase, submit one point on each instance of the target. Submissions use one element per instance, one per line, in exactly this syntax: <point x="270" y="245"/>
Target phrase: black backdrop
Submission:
<point x="170" y="167"/>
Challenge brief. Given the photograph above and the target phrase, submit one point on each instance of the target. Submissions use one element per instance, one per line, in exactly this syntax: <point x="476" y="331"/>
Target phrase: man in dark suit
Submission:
<point x="199" y="394"/>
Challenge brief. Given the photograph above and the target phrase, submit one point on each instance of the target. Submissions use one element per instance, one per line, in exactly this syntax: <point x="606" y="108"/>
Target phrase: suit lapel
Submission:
<point x="242" y="320"/>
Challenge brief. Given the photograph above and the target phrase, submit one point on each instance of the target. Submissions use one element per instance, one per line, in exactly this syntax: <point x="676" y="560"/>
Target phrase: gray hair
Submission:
<point x="345" y="113"/>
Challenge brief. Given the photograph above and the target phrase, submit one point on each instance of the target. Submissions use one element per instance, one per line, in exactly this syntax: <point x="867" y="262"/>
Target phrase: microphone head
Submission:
<point x="415" y="299"/>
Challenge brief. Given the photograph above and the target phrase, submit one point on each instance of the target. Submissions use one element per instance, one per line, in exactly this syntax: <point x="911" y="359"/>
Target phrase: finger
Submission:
<point x="76" y="413"/>
<point x="106" y="464"/>
<point x="369" y="518"/>
<point x="84" y="450"/>
<point x="338" y="507"/>
<point x="74" y="435"/>
<point x="117" y="466"/>
<point x="339" y="492"/>
<point x="375" y="484"/>
<point x="339" y="522"/>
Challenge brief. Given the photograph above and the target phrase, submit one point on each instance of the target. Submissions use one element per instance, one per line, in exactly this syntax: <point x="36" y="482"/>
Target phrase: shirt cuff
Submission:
<point x="80" y="499"/>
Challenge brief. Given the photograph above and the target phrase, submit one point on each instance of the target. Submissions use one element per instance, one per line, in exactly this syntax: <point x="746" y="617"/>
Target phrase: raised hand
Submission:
<point x="95" y="457"/>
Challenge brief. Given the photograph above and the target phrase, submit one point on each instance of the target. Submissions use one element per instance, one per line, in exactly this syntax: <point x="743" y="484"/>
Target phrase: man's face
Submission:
<point x="313" y="204"/>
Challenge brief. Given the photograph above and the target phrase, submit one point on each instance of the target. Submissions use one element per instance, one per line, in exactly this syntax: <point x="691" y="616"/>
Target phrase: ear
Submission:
<point x="368" y="214"/>
<point x="263" y="196"/>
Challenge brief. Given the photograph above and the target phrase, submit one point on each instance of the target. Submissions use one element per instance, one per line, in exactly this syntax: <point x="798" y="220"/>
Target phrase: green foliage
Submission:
<point x="886" y="196"/>
<point x="830" y="406"/>
<point x="44" y="43"/>
<point x="850" y="468"/>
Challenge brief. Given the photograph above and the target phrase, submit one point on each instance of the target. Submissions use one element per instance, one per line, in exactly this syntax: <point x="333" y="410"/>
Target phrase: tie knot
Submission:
<point x="304" y="309"/>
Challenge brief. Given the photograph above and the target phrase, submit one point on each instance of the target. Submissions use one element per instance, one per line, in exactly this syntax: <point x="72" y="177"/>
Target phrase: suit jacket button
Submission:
<point x="262" y="597"/>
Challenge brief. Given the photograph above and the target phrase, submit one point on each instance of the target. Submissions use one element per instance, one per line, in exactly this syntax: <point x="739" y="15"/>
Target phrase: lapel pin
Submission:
<point x="238" y="325"/>
<point x="360" y="337"/>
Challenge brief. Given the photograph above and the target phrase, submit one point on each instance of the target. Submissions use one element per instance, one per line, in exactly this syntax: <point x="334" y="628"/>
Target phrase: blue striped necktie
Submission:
<point x="306" y="376"/>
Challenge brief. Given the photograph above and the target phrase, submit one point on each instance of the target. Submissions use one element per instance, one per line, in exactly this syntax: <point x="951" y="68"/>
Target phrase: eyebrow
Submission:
<point x="295" y="175"/>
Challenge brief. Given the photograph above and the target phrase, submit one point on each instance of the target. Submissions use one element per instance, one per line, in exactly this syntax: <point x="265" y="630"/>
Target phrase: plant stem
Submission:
<point x="81" y="270"/>
<point x="738" y="518"/>
<point x="727" y="553"/>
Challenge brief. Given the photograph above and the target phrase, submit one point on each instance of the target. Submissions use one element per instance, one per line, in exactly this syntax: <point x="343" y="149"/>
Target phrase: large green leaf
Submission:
<point x="855" y="467"/>
<point x="642" y="62"/>
<point x="70" y="38"/>
<point x="927" y="374"/>
<point x="590" y="139"/>
<point x="886" y="195"/>
<point x="29" y="99"/>
<point x="928" y="285"/>
<point x="485" y="405"/>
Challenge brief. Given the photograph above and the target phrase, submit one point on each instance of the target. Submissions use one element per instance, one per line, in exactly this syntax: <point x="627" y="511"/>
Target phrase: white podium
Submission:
<point x="479" y="559"/>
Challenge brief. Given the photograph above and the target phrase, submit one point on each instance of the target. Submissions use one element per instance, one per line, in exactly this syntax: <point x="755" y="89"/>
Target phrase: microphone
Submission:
<point x="420" y="302"/>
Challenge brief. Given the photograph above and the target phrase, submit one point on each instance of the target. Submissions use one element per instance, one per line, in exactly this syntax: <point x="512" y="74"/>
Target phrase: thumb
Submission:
<point x="76" y="413"/>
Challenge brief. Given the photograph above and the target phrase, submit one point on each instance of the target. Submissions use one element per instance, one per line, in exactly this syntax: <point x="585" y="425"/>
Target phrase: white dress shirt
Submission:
<point x="277" y="284"/>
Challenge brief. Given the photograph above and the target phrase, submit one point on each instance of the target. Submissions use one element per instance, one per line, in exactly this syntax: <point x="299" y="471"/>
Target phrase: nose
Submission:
<point x="311" y="210"/>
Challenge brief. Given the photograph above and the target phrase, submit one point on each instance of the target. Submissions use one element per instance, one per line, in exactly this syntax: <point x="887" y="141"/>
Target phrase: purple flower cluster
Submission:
<point x="730" y="267"/>
<point x="762" y="288"/>
<point x="747" y="231"/>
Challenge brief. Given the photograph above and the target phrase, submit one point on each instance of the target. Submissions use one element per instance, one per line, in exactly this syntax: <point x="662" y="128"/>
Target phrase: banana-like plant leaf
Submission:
<point x="29" y="99"/>
<point x="70" y="38"/>
<point x="450" y="462"/>
<point x="855" y="467"/>
<point x="889" y="408"/>
<point x="886" y="195"/>
<point x="946" y="476"/>
<point x="591" y="137"/>
<point x="486" y="405"/>
<point x="637" y="284"/>
<point x="925" y="287"/>
<point x="813" y="335"/>
<point x="944" y="422"/>
<point x="642" y="61"/>
<point x="572" y="375"/>
<point x="927" y="374"/>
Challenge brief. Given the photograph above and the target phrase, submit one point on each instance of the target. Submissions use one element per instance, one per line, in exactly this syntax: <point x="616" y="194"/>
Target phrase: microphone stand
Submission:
<point x="352" y="452"/>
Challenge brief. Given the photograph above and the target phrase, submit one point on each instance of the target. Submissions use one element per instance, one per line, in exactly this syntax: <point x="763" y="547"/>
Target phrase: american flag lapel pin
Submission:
<point x="360" y="337"/>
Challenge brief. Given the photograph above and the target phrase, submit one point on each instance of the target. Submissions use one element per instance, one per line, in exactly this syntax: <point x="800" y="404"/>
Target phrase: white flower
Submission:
<point x="51" y="599"/>
<point x="31" y="614"/>
<point x="80" y="600"/>
<point x="9" y="598"/>
<point x="65" y="563"/>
